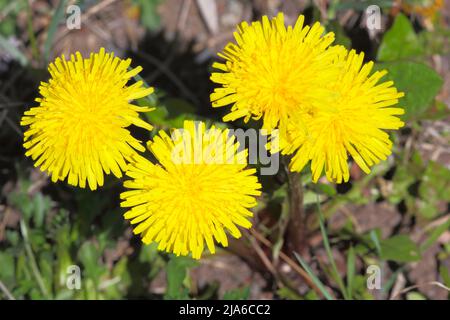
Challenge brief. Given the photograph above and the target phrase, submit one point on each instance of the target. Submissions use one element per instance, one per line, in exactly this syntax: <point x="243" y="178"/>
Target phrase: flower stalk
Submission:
<point x="296" y="229"/>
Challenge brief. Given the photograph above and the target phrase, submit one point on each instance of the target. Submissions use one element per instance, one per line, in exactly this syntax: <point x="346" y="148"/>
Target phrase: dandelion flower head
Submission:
<point x="200" y="188"/>
<point x="79" y="129"/>
<point x="354" y="124"/>
<point x="273" y="71"/>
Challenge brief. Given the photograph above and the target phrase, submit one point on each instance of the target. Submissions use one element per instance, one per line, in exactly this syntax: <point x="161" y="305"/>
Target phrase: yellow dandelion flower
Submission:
<point x="200" y="188"/>
<point x="273" y="71"/>
<point x="79" y="128"/>
<point x="352" y="125"/>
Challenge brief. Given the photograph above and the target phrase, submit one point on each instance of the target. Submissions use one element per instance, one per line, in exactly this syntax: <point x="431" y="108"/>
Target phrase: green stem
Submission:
<point x="297" y="226"/>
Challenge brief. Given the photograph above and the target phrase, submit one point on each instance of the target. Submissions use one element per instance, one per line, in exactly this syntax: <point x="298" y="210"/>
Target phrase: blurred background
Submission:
<point x="395" y="221"/>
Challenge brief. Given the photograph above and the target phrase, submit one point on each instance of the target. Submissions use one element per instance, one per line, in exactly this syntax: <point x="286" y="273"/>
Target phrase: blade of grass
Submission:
<point x="350" y="271"/>
<point x="6" y="292"/>
<point x="57" y="17"/>
<point x="434" y="236"/>
<point x="335" y="273"/>
<point x="313" y="277"/>
<point x="31" y="35"/>
<point x="32" y="259"/>
<point x="390" y="283"/>
<point x="376" y="241"/>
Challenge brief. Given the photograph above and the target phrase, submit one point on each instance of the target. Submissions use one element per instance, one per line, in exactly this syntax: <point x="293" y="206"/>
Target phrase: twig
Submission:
<point x="432" y="283"/>
<point x="398" y="286"/>
<point x="288" y="260"/>
<point x="11" y="105"/>
<point x="172" y="76"/>
<point x="13" y="126"/>
<point x="96" y="8"/>
<point x="184" y="14"/>
<point x="437" y="222"/>
<point x="279" y="277"/>
<point x="208" y="11"/>
<point x="269" y="265"/>
<point x="3" y="116"/>
<point x="108" y="283"/>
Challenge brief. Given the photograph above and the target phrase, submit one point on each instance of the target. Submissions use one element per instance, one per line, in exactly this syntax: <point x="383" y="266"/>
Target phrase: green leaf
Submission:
<point x="177" y="107"/>
<point x="445" y="275"/>
<point x="360" y="288"/>
<point x="419" y="82"/>
<point x="237" y="294"/>
<point x="434" y="188"/>
<point x="149" y="13"/>
<point x="42" y="206"/>
<point x="414" y="295"/>
<point x="148" y="253"/>
<point x="434" y="235"/>
<point x="89" y="256"/>
<point x="12" y="237"/>
<point x="157" y="116"/>
<point x="290" y="294"/>
<point x="22" y="201"/>
<point x="400" y="41"/>
<point x="122" y="274"/>
<point x="400" y="184"/>
<point x="375" y="238"/>
<point x="63" y="258"/>
<point x="178" y="110"/>
<point x="435" y="182"/>
<point x="326" y="189"/>
<point x="7" y="269"/>
<point x="46" y="263"/>
<point x="176" y="274"/>
<point x="427" y="209"/>
<point x="399" y="248"/>
<point x="9" y="11"/>
<point x="310" y="197"/>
